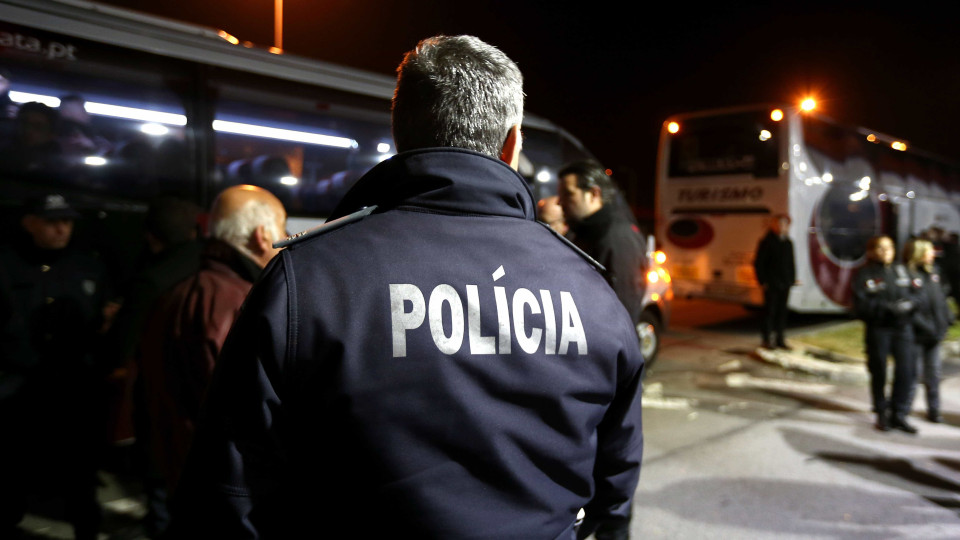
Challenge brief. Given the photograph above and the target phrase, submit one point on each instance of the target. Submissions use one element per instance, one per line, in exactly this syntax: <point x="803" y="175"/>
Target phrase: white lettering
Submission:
<point x="550" y="339"/>
<point x="479" y="344"/>
<point x="408" y="310"/>
<point x="403" y="320"/>
<point x="503" y="317"/>
<point x="571" y="330"/>
<point x="530" y="343"/>
<point x="446" y="294"/>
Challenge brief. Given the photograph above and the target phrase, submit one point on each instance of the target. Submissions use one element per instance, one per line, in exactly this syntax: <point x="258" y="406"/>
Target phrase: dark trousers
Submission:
<point x="49" y="450"/>
<point x="882" y="342"/>
<point x="928" y="357"/>
<point x="774" y="319"/>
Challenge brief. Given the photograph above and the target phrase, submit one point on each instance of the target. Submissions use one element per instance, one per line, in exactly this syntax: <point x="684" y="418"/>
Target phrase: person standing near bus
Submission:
<point x="587" y="195"/>
<point x="931" y="319"/>
<point x="432" y="362"/>
<point x="884" y="297"/>
<point x="776" y="273"/>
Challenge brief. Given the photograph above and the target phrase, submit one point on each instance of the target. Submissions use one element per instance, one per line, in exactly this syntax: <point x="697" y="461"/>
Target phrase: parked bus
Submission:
<point x="721" y="176"/>
<point x="136" y="106"/>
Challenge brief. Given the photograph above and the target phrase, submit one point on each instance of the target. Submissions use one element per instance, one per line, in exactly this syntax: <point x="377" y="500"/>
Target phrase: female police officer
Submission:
<point x="931" y="319"/>
<point x="883" y="296"/>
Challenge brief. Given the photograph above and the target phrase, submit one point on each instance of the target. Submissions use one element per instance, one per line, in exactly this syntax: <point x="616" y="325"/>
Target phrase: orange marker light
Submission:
<point x="776" y="115"/>
<point x="872" y="138"/>
<point x="673" y="127"/>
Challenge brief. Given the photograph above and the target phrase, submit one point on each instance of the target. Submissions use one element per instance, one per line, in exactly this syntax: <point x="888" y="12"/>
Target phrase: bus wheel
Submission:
<point x="648" y="330"/>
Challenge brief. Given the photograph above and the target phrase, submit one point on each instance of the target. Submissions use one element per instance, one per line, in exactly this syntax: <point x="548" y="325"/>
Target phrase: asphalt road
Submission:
<point x="739" y="446"/>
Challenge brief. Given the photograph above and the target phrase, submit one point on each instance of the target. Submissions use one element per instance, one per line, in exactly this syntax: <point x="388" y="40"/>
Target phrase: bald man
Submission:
<point x="186" y="330"/>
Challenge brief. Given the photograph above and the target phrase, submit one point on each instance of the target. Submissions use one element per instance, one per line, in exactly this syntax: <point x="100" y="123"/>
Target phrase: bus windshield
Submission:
<point x="738" y="143"/>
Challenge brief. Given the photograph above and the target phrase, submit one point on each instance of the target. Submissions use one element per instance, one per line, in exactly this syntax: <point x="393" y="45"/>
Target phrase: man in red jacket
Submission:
<point x="187" y="327"/>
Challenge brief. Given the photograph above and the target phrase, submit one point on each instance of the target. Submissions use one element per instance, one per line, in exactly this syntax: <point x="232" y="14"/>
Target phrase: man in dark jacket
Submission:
<point x="776" y="273"/>
<point x="189" y="323"/>
<point x="51" y="388"/>
<point x="588" y="198"/>
<point x="433" y="362"/>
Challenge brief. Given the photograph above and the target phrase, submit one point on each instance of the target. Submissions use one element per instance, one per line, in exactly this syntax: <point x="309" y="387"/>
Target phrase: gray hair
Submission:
<point x="456" y="92"/>
<point x="236" y="228"/>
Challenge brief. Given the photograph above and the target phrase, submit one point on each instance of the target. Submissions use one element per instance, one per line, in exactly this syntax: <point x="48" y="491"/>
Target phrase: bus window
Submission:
<point x="94" y="119"/>
<point x="846" y="219"/>
<point x="305" y="149"/>
<point x="738" y="143"/>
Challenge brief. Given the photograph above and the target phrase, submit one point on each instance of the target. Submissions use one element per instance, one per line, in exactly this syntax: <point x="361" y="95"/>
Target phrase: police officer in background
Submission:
<point x="432" y="362"/>
<point x="883" y="297"/>
<point x="51" y="420"/>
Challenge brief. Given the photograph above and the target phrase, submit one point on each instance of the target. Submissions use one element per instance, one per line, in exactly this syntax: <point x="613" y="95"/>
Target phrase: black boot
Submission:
<point x="882" y="423"/>
<point x="899" y="422"/>
<point x="934" y="416"/>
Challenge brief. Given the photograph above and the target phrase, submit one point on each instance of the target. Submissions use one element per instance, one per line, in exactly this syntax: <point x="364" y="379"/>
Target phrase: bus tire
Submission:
<point x="649" y="333"/>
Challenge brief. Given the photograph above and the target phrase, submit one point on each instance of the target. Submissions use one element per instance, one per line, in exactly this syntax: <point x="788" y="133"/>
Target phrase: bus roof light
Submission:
<point x="673" y="127"/>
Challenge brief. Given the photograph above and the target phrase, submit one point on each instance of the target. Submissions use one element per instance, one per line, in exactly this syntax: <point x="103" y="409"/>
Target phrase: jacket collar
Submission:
<point x="443" y="180"/>
<point x="219" y="253"/>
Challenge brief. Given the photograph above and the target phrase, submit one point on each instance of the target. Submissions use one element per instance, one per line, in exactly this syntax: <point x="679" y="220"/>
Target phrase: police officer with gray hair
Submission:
<point x="432" y="362"/>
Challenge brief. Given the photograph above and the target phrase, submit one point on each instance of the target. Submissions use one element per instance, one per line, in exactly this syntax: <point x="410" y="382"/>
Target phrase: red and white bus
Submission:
<point x="722" y="174"/>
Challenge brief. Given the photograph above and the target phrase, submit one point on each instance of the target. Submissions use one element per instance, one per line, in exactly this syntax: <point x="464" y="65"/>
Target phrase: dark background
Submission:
<point x="611" y="75"/>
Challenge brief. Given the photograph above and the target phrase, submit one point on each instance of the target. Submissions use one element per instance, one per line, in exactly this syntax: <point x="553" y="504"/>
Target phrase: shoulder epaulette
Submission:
<point x="574" y="247"/>
<point x="326" y="227"/>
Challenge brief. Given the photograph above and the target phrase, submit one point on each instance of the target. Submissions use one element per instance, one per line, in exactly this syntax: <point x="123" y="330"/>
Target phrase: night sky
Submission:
<point x="612" y="75"/>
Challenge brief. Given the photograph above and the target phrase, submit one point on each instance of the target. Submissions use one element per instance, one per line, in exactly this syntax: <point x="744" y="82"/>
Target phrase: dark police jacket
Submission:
<point x="884" y="296"/>
<point x="932" y="316"/>
<point x="55" y="300"/>
<point x="444" y="367"/>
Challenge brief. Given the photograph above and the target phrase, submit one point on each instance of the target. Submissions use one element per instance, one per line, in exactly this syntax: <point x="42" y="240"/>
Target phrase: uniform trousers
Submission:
<point x="928" y="358"/>
<point x="882" y="342"/>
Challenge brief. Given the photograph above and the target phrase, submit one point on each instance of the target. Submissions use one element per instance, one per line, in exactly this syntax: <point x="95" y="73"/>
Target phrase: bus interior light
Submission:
<point x="94" y="161"/>
<point x="289" y="180"/>
<point x="808" y="104"/>
<point x="543" y="176"/>
<point x="872" y="138"/>
<point x="158" y="130"/>
<point x="898" y="145"/>
<point x="827" y="177"/>
<point x="132" y="113"/>
<point x="383" y="147"/>
<point x="765" y="135"/>
<point x="911" y="194"/>
<point x="776" y="115"/>
<point x="253" y="130"/>
<point x="673" y="127"/>
<point x="660" y="257"/>
<point x="26" y="97"/>
<point x="652" y="276"/>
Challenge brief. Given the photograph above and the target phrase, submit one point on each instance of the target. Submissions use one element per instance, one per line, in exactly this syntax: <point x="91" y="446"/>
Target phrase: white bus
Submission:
<point x="722" y="174"/>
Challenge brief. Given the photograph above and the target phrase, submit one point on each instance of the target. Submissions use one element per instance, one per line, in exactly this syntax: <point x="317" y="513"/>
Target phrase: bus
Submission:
<point x="135" y="106"/>
<point x="111" y="108"/>
<point x="722" y="174"/>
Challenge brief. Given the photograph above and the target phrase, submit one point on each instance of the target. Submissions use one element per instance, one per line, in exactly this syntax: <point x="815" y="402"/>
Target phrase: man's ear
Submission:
<point x="261" y="240"/>
<point x="510" y="153"/>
